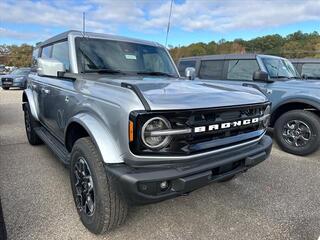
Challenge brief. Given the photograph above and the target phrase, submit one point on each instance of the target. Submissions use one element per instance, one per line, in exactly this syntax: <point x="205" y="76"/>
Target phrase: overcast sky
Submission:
<point x="31" y="21"/>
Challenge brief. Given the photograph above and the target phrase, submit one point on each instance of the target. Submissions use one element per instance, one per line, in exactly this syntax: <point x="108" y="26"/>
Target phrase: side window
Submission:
<point x="211" y="69"/>
<point x="241" y="69"/>
<point x="46" y="52"/>
<point x="184" y="64"/>
<point x="60" y="51"/>
<point x="35" y="55"/>
<point x="311" y="70"/>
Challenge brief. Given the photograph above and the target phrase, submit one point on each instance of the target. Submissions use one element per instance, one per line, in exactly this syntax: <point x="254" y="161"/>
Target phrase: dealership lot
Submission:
<point x="278" y="199"/>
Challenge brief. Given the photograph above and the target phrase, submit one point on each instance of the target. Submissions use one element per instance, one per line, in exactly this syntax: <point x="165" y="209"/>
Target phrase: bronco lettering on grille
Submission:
<point x="226" y="125"/>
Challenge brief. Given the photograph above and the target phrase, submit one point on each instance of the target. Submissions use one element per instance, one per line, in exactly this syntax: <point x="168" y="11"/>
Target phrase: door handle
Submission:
<point x="45" y="91"/>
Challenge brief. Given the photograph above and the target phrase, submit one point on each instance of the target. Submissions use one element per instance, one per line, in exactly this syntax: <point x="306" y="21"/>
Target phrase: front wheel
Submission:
<point x="5" y="88"/>
<point x="99" y="202"/>
<point x="298" y="132"/>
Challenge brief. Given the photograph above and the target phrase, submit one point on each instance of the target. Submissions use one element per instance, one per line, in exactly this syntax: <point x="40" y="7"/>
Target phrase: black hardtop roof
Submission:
<point x="305" y="60"/>
<point x="66" y="34"/>
<point x="228" y="56"/>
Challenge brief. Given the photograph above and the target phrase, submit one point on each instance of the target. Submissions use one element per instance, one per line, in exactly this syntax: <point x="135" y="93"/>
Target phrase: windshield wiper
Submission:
<point x="286" y="77"/>
<point x="279" y="76"/>
<point x="156" y="74"/>
<point x="104" y="70"/>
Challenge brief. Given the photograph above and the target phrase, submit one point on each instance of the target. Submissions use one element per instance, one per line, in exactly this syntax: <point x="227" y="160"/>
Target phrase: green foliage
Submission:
<point x="13" y="55"/>
<point x="295" y="45"/>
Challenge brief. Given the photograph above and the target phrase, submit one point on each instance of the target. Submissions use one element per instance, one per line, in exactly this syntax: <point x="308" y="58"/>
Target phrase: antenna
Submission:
<point x="168" y="27"/>
<point x="84" y="23"/>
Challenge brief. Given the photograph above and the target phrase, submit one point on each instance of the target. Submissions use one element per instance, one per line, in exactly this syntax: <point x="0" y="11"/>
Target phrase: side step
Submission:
<point x="56" y="147"/>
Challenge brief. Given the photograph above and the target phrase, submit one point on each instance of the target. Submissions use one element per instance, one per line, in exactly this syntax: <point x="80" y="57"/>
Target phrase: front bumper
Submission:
<point x="142" y="184"/>
<point x="8" y="84"/>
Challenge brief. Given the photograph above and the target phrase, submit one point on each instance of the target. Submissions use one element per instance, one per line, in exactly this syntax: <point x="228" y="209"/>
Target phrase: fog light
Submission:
<point x="164" y="185"/>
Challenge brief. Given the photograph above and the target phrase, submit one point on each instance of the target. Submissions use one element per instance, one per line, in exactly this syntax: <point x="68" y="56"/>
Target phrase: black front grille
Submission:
<point x="6" y="81"/>
<point x="196" y="142"/>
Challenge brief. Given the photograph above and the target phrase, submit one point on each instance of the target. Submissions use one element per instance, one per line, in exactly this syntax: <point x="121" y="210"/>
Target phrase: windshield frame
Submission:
<point x="175" y="73"/>
<point x="285" y="62"/>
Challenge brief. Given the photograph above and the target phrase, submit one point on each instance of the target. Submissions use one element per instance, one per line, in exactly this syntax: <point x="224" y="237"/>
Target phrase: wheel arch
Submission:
<point x="293" y="105"/>
<point x="27" y="97"/>
<point x="84" y="125"/>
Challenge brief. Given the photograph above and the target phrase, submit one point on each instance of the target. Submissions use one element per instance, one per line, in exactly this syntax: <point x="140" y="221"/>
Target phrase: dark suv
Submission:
<point x="295" y="102"/>
<point x="309" y="68"/>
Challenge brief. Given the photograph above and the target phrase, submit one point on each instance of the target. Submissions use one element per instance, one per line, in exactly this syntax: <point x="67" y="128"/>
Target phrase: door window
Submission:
<point x="184" y="64"/>
<point x="241" y="69"/>
<point x="60" y="52"/>
<point x="311" y="70"/>
<point x="211" y="69"/>
<point x="46" y="52"/>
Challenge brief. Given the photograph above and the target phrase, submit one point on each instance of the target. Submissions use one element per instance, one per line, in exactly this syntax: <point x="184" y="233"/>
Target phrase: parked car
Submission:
<point x="309" y="68"/>
<point x="115" y="111"/>
<point x="17" y="78"/>
<point x="2" y="69"/>
<point x="295" y="102"/>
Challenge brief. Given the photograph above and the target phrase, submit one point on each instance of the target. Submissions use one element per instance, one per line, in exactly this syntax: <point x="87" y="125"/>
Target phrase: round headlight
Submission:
<point x="151" y="126"/>
<point x="266" y="116"/>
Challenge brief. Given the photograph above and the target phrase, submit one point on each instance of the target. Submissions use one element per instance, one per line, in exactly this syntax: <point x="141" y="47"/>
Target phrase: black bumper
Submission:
<point x="142" y="185"/>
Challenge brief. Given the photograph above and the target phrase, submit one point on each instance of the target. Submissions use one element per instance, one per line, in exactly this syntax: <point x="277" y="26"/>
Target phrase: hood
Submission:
<point x="11" y="76"/>
<point x="184" y="94"/>
<point x="299" y="84"/>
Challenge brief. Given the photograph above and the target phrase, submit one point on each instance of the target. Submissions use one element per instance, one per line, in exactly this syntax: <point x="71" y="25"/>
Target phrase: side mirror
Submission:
<point x="261" y="76"/>
<point x="190" y="73"/>
<point x="50" y="67"/>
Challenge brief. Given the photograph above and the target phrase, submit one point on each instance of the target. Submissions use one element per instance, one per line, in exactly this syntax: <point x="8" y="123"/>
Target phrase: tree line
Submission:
<point x="14" y="55"/>
<point x="295" y="45"/>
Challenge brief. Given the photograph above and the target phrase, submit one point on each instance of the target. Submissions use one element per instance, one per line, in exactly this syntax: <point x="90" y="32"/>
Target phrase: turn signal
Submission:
<point x="130" y="131"/>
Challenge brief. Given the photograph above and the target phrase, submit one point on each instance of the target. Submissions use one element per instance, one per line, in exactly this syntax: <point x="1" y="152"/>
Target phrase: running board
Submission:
<point x="55" y="146"/>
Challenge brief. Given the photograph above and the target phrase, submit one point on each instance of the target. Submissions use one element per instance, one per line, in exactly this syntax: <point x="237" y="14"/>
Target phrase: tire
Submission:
<point x="3" y="232"/>
<point x="5" y="88"/>
<point x="288" y="127"/>
<point x="108" y="208"/>
<point x="25" y="85"/>
<point x="30" y="125"/>
<point x="226" y="179"/>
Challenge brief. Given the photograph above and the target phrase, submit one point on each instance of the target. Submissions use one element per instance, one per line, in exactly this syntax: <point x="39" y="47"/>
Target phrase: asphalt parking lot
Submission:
<point x="279" y="199"/>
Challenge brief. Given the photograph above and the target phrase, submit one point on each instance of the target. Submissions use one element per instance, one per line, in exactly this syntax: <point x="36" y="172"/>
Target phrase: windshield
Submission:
<point x="280" y="68"/>
<point x="117" y="57"/>
<point x="20" y="72"/>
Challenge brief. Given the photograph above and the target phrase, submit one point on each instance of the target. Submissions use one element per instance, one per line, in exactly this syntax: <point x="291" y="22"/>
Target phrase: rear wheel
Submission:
<point x="99" y="202"/>
<point x="30" y="125"/>
<point x="298" y="132"/>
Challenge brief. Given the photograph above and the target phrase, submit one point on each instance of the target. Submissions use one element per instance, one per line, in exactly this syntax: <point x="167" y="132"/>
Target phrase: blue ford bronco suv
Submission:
<point x="116" y="112"/>
<point x="295" y="114"/>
